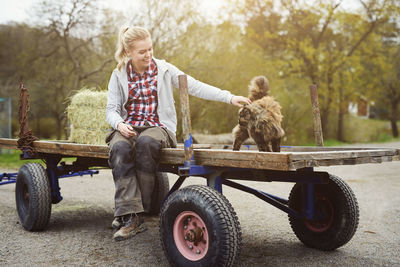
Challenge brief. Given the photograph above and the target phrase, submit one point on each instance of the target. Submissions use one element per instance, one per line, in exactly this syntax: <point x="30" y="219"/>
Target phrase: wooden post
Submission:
<point x="23" y="110"/>
<point x="26" y="138"/>
<point x="316" y="115"/>
<point x="186" y="123"/>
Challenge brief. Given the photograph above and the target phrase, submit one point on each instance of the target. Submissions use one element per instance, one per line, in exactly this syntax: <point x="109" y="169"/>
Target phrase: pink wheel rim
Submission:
<point x="191" y="235"/>
<point x="325" y="206"/>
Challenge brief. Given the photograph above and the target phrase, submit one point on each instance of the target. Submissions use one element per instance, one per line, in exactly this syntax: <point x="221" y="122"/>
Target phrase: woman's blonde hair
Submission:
<point x="126" y="41"/>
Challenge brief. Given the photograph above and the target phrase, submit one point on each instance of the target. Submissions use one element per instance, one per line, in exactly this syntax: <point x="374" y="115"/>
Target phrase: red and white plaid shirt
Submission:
<point x="142" y="100"/>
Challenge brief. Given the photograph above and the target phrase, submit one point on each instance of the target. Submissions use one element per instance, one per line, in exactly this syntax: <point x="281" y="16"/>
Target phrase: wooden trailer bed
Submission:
<point x="290" y="158"/>
<point x="322" y="208"/>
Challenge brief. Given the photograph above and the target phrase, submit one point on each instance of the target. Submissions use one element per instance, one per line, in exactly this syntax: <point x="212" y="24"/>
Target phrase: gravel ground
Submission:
<point x="79" y="232"/>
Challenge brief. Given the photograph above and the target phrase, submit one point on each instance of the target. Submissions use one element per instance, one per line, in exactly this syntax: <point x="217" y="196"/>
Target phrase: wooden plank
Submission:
<point x="283" y="148"/>
<point x="203" y="146"/>
<point x="227" y="158"/>
<point x="223" y="158"/>
<point x="342" y="161"/>
<point x="323" y="149"/>
<point x="74" y="153"/>
<point x="12" y="144"/>
<point x="243" y="159"/>
<point x="342" y="154"/>
<point x="7" y="143"/>
<point x="70" y="146"/>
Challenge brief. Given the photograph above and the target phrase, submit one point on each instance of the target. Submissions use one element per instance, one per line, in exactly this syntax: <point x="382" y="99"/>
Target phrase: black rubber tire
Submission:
<point x="33" y="197"/>
<point x="161" y="189"/>
<point x="336" y="201"/>
<point x="222" y="223"/>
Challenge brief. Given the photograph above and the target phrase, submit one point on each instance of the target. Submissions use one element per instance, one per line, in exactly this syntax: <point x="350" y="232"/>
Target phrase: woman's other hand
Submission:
<point x="237" y="100"/>
<point x="126" y="130"/>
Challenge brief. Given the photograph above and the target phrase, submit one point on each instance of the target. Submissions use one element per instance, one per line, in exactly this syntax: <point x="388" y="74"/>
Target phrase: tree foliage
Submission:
<point x="348" y="53"/>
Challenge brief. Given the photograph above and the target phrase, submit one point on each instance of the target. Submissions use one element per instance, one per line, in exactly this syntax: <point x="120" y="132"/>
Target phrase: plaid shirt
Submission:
<point x="142" y="100"/>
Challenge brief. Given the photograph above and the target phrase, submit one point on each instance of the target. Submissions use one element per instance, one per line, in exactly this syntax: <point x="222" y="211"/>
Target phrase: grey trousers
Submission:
<point x="134" y="162"/>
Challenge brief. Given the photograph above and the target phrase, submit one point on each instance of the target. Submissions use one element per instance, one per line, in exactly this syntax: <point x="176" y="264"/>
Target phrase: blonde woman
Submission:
<point x="141" y="112"/>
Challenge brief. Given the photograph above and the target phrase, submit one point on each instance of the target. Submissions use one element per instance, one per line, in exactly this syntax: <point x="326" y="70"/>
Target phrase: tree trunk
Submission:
<point x="66" y="128"/>
<point x="38" y="130"/>
<point x="342" y="111"/>
<point x="395" y="131"/>
<point x="394" y="118"/>
<point x="340" y="129"/>
<point x="324" y="120"/>
<point x="328" y="103"/>
<point x="59" y="126"/>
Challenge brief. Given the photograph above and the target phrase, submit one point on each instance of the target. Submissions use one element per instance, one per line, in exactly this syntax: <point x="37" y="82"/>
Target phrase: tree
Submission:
<point x="379" y="72"/>
<point x="72" y="37"/>
<point x="313" y="42"/>
<point x="166" y="21"/>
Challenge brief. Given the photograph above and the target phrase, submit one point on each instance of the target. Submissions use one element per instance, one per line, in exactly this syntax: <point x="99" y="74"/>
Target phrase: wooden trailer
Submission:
<point x="198" y="225"/>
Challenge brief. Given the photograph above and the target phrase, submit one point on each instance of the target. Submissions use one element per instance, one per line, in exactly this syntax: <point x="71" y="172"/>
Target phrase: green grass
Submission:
<point x="329" y="142"/>
<point x="360" y="130"/>
<point x="384" y="138"/>
<point x="10" y="159"/>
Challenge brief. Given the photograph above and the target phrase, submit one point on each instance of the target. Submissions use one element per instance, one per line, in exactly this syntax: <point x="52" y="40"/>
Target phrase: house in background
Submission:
<point x="361" y="108"/>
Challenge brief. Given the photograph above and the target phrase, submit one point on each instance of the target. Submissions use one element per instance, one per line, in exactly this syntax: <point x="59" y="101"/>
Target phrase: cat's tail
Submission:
<point x="258" y="88"/>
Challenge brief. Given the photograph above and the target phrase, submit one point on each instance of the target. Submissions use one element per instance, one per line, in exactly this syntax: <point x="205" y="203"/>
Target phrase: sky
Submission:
<point x="18" y="10"/>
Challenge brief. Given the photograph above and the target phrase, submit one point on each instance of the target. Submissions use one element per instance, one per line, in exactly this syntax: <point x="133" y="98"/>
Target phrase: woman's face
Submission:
<point x="141" y="54"/>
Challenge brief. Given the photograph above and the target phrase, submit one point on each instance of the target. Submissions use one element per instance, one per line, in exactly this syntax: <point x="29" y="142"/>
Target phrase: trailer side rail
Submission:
<point x="291" y="158"/>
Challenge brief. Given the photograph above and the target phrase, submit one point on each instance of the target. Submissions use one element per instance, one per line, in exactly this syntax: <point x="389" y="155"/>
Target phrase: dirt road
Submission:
<point x="79" y="232"/>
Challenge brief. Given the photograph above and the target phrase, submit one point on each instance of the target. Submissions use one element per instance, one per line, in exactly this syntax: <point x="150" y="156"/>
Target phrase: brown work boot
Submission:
<point x="132" y="225"/>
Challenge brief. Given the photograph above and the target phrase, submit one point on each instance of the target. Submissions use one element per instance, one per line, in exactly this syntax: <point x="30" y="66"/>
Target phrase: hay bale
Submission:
<point x="87" y="117"/>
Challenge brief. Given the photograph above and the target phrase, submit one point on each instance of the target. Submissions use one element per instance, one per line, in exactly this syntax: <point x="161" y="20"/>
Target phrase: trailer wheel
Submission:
<point x="198" y="227"/>
<point x="33" y="197"/>
<point x="336" y="215"/>
<point x="161" y="189"/>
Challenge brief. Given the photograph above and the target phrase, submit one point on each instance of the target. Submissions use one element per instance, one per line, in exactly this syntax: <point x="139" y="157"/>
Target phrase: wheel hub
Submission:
<point x="191" y="236"/>
<point x="194" y="235"/>
<point x="323" y="217"/>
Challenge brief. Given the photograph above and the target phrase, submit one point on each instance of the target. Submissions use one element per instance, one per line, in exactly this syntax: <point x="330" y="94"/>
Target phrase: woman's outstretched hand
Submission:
<point x="237" y="100"/>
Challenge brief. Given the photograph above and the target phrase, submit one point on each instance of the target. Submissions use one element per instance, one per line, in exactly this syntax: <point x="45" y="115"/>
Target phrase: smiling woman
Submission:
<point x="134" y="56"/>
<point x="140" y="110"/>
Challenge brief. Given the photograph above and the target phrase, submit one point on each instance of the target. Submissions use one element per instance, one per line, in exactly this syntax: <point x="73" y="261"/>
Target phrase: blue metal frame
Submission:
<point x="12" y="177"/>
<point x="216" y="176"/>
<point x="9" y="177"/>
<point x="54" y="173"/>
<point x="275" y="201"/>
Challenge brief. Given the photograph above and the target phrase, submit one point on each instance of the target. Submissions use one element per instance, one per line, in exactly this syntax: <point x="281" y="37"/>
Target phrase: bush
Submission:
<point x="44" y="128"/>
<point x="361" y="130"/>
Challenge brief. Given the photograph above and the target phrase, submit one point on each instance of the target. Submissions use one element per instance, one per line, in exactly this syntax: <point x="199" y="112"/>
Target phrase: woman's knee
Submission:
<point x="147" y="153"/>
<point x="121" y="152"/>
<point x="147" y="143"/>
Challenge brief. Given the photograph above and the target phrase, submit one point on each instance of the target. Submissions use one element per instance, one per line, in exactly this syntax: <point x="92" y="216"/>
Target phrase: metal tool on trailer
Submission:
<point x="198" y="225"/>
